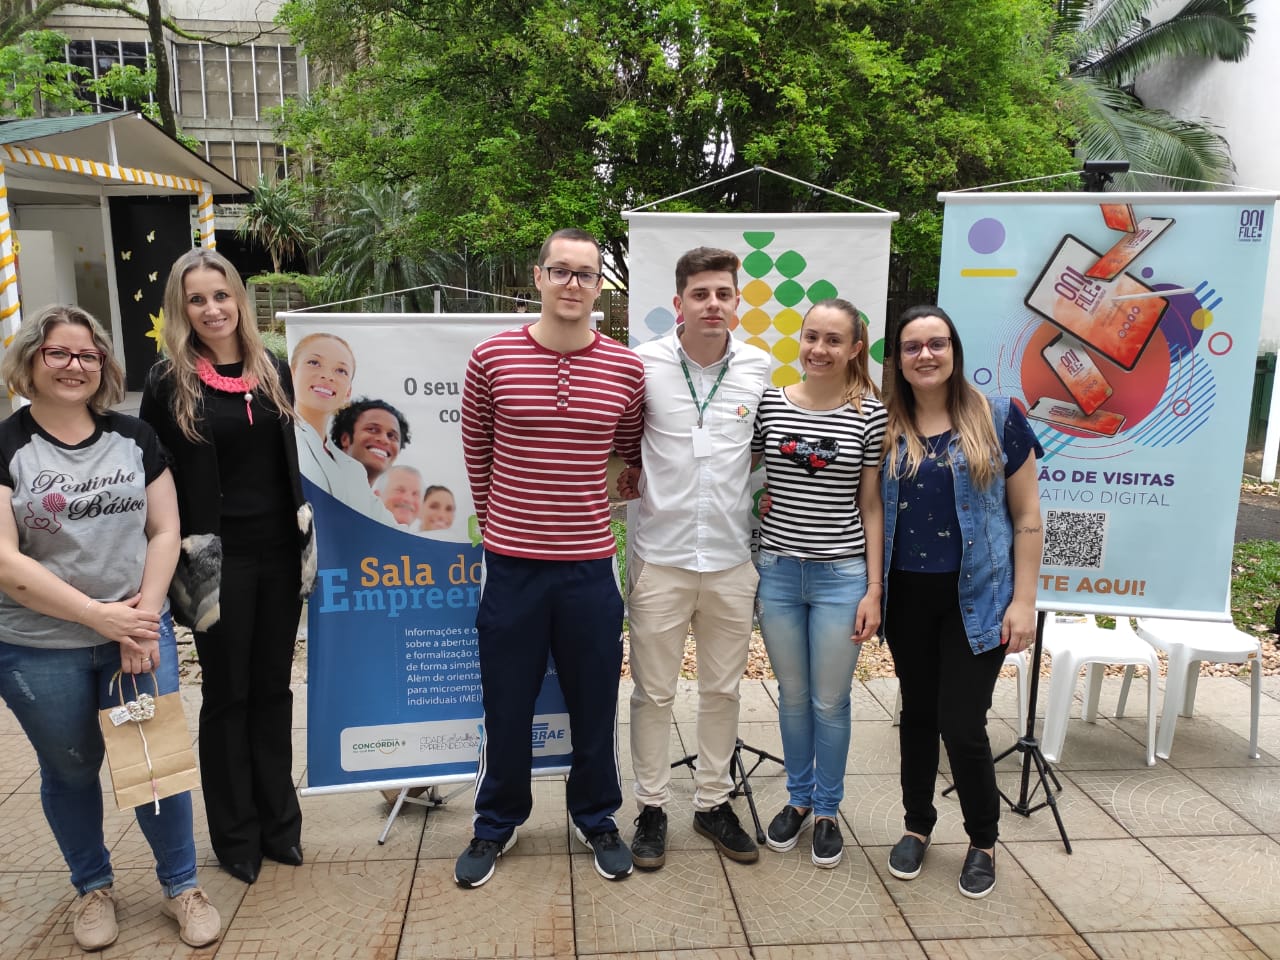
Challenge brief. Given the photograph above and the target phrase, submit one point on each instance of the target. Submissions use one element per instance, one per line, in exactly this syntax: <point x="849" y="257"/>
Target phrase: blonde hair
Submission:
<point x="183" y="347"/>
<point x="15" y="369"/>
<point x="858" y="382"/>
<point x="969" y="411"/>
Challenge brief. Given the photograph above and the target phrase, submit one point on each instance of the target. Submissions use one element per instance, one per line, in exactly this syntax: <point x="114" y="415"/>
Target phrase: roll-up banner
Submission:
<point x="789" y="262"/>
<point x="393" y="672"/>
<point x="1126" y="326"/>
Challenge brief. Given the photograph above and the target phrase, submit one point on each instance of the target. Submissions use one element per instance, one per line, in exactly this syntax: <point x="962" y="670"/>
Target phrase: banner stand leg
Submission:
<point x="432" y="798"/>
<point x="741" y="777"/>
<point x="1029" y="747"/>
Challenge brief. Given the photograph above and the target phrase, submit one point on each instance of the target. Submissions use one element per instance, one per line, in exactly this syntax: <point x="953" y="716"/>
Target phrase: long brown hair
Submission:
<point x="858" y="382"/>
<point x="183" y="347"/>
<point x="968" y="408"/>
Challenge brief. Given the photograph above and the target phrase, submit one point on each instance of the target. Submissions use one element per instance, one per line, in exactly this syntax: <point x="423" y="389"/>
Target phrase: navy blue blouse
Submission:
<point x="927" y="536"/>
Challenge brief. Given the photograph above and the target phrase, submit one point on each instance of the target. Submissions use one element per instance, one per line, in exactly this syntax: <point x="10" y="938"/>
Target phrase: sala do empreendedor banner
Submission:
<point x="1126" y="326"/>
<point x="393" y="673"/>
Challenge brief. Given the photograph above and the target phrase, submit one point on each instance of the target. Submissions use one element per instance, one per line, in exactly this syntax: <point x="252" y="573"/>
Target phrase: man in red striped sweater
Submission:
<point x="542" y="407"/>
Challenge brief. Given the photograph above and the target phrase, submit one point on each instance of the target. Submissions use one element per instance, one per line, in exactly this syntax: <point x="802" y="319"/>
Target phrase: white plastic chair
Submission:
<point x="1188" y="642"/>
<point x="1077" y="641"/>
<point x="1016" y="660"/>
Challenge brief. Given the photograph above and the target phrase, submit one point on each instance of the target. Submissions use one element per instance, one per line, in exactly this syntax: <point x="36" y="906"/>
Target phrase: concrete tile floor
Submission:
<point x="1180" y="860"/>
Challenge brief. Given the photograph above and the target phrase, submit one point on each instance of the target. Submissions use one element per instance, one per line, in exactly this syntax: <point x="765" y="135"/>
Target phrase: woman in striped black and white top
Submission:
<point x="820" y="561"/>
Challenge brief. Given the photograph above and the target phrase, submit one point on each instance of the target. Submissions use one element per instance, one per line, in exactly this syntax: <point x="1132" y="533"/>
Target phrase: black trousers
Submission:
<point x="573" y="610"/>
<point x="946" y="691"/>
<point x="246" y="719"/>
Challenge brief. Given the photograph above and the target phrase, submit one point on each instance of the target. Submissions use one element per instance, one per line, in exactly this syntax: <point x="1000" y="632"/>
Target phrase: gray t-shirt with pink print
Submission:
<point x="81" y="512"/>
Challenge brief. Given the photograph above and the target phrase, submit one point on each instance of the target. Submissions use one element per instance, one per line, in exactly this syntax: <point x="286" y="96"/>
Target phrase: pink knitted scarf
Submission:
<point x="212" y="378"/>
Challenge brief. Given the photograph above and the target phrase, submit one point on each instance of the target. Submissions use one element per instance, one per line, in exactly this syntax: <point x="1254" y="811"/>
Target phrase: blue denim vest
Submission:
<point x="986" y="564"/>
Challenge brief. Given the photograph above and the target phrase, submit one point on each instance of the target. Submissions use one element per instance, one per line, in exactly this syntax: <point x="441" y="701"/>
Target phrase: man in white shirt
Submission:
<point x="691" y="557"/>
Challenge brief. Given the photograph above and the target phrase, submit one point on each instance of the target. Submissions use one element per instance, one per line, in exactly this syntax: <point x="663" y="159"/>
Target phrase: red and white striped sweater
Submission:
<point x="537" y="430"/>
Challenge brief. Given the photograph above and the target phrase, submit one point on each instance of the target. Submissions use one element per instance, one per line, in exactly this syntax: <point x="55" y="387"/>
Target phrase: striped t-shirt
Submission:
<point x="814" y="461"/>
<point x="537" y="430"/>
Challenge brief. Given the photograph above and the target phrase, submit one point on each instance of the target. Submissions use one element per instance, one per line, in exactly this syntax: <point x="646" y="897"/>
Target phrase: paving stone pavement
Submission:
<point x="1179" y="861"/>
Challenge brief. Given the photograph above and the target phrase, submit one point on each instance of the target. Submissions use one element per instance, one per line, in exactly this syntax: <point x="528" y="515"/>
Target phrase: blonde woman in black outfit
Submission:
<point x="222" y="405"/>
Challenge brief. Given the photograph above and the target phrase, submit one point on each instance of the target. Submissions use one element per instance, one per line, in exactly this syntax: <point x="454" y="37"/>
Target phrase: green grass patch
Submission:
<point x="619" y="528"/>
<point x="1255" y="584"/>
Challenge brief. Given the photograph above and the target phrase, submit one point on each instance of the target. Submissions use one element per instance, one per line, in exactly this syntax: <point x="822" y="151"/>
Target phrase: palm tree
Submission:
<point x="367" y="251"/>
<point x="278" y="219"/>
<point x="1108" y="43"/>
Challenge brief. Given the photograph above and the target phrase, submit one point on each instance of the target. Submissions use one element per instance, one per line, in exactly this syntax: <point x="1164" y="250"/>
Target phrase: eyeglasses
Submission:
<point x="912" y="348"/>
<point x="59" y="359"/>
<point x="587" y="279"/>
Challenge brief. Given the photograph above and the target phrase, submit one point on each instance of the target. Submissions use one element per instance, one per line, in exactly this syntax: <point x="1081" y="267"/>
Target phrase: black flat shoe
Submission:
<point x="290" y="856"/>
<point x="246" y="872"/>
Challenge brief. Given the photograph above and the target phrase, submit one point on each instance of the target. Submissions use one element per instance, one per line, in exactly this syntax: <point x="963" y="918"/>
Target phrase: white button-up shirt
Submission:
<point x="695" y="512"/>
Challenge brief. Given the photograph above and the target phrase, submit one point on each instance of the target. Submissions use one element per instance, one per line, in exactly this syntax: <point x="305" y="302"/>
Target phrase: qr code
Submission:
<point x="1074" y="538"/>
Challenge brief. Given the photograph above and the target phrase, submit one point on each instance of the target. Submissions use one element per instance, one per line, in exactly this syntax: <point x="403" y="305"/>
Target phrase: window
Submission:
<point x="247" y="160"/>
<point x="98" y="57"/>
<point x="241" y="82"/>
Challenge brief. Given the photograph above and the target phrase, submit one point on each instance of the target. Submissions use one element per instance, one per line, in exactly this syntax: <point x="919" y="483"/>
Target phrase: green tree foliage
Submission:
<point x="508" y="120"/>
<point x="1108" y="43"/>
<point x="278" y="219"/>
<point x="368" y="251"/>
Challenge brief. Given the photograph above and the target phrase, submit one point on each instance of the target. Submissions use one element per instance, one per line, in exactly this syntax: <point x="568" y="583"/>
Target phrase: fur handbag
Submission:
<point x="307" y="527"/>
<point x="194" y="590"/>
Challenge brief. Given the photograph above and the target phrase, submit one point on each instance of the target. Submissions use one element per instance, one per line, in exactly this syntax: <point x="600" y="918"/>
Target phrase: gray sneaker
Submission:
<point x="477" y="863"/>
<point x="612" y="857"/>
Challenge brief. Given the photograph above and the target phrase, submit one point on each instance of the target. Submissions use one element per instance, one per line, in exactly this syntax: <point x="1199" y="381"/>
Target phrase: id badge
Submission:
<point x="701" y="442"/>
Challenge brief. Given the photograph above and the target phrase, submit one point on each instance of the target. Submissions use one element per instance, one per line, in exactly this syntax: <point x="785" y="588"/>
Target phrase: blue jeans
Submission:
<point x="56" y="696"/>
<point x="807" y="610"/>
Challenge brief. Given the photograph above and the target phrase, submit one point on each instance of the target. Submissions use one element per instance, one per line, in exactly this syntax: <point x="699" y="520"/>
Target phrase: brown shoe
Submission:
<point x="95" y="919"/>
<point x="198" y="920"/>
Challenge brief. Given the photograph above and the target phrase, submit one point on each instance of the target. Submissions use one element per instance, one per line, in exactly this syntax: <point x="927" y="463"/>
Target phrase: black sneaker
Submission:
<point x="786" y="827"/>
<point x="612" y="858"/>
<point x="478" y="861"/>
<point x="978" y="875"/>
<point x="828" y="844"/>
<point x="720" y="825"/>
<point x="907" y="857"/>
<point x="649" y="845"/>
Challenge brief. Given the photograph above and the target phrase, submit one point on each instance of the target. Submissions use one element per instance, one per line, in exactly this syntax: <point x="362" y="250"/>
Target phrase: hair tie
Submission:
<point x="212" y="378"/>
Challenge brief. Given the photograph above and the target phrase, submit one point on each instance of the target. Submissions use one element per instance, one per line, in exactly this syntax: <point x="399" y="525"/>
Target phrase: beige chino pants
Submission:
<point x="663" y="603"/>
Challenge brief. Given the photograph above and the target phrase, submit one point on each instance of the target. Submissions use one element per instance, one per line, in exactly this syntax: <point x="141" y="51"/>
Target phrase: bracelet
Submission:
<point x="87" y="604"/>
<point x="875" y="583"/>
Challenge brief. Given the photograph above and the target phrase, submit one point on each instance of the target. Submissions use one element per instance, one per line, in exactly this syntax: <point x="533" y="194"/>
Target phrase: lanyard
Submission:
<point x="702" y="404"/>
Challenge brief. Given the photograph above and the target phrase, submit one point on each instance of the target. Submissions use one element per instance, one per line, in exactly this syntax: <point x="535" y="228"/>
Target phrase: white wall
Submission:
<point x="1238" y="99"/>
<point x="246" y="11"/>
<point x="84" y="225"/>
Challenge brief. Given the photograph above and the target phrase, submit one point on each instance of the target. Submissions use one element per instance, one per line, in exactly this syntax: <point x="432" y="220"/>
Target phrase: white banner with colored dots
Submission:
<point x="790" y="261"/>
<point x="1126" y="327"/>
<point x="393" y="670"/>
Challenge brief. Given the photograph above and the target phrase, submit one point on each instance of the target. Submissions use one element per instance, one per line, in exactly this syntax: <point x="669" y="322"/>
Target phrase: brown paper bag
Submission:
<point x="148" y="746"/>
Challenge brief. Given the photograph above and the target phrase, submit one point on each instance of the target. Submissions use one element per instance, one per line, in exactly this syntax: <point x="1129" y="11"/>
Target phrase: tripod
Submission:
<point x="1029" y="747"/>
<point x="740" y="775"/>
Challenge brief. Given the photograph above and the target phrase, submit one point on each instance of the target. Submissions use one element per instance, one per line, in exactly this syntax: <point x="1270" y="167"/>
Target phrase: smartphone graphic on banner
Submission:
<point x="1071" y="363"/>
<point x="1059" y="412"/>
<point x="1128" y="247"/>
<point x="1087" y="308"/>
<point x="1119" y="216"/>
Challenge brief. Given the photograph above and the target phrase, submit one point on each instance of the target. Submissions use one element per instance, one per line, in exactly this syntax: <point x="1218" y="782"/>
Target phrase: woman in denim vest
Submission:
<point x="962" y="553"/>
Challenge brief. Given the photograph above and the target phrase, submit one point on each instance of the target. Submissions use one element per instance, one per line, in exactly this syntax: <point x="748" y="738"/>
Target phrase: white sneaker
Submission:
<point x="95" y="919"/>
<point x="198" y="920"/>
